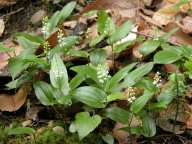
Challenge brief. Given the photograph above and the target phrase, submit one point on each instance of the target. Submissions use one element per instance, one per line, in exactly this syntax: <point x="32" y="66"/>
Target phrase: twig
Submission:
<point x="12" y="13"/>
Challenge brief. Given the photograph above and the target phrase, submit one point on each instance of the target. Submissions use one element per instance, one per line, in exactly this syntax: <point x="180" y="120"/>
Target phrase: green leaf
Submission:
<point x="108" y="139"/>
<point x="121" y="32"/>
<point x="86" y="71"/>
<point x="44" y="93"/>
<point x="67" y="44"/>
<point x="166" y="57"/>
<point x="91" y="96"/>
<point x="26" y="77"/>
<point x="148" y="47"/>
<point x="140" y="102"/>
<point x="20" y="131"/>
<point x="66" y="11"/>
<point x="5" y="49"/>
<point x="84" y="124"/>
<point x="59" y="17"/>
<point x="76" y="81"/>
<point x="16" y="65"/>
<point x="118" y="114"/>
<point x="58" y="75"/>
<point x="167" y="94"/>
<point x="105" y="24"/>
<point x="114" y="81"/>
<point x="30" y="37"/>
<point x="115" y="96"/>
<point x="96" y="40"/>
<point x="27" y="43"/>
<point x="134" y="76"/>
<point x="121" y="47"/>
<point x="149" y="127"/>
<point x="98" y="56"/>
<point x="78" y="53"/>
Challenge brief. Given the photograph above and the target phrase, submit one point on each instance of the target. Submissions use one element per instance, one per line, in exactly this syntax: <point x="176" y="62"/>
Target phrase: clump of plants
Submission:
<point x="98" y="84"/>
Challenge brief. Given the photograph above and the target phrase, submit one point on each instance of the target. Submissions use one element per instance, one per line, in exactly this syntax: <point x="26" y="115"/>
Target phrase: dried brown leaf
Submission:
<point x="12" y="103"/>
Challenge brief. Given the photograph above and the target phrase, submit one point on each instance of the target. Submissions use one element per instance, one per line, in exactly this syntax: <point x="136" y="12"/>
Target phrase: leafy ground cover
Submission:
<point x="109" y="72"/>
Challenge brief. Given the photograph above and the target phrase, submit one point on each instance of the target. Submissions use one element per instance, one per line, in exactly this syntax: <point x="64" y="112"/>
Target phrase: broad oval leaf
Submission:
<point x="58" y="74"/>
<point x="119" y="76"/>
<point x="84" y="124"/>
<point x="44" y="93"/>
<point x="149" y="46"/>
<point x="166" y="57"/>
<point x="118" y="114"/>
<point x="140" y="102"/>
<point x="98" y="56"/>
<point x="120" y="32"/>
<point x="149" y="126"/>
<point x="134" y="76"/>
<point x="91" y="96"/>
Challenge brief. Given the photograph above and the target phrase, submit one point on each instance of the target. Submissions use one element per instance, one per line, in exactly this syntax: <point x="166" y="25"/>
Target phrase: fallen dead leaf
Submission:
<point x="2" y="27"/>
<point x="125" y="8"/>
<point x="38" y="16"/>
<point x="13" y="102"/>
<point x="186" y="24"/>
<point x="6" y="2"/>
<point x="169" y="114"/>
<point x="165" y="15"/>
<point x="120" y="135"/>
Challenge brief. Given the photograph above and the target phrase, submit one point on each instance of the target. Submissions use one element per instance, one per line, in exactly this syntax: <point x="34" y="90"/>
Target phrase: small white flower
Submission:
<point x="45" y="27"/>
<point x="131" y="94"/>
<point x="61" y="38"/>
<point x="157" y="79"/>
<point x="102" y="73"/>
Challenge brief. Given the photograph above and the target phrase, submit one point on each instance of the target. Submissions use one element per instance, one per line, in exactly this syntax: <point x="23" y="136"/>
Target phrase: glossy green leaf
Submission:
<point x="86" y="71"/>
<point x="91" y="96"/>
<point x="167" y="95"/>
<point x="84" y="124"/>
<point x="16" y="65"/>
<point x="115" y="96"/>
<point x="136" y="75"/>
<point x="76" y="81"/>
<point x="59" y="17"/>
<point x="148" y="125"/>
<point x="148" y="47"/>
<point x="66" y="11"/>
<point x="118" y="114"/>
<point x="58" y="75"/>
<point x="123" y="46"/>
<point x="98" y="56"/>
<point x="96" y="40"/>
<point x="121" y="74"/>
<point x="44" y="93"/>
<point x="30" y="37"/>
<point x="166" y="57"/>
<point x="27" y="43"/>
<point x="20" y="131"/>
<point x="140" y="102"/>
<point x="120" y="32"/>
<point x="105" y="24"/>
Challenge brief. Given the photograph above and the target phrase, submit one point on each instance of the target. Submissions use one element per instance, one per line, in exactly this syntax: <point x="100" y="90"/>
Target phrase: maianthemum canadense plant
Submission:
<point x="94" y="85"/>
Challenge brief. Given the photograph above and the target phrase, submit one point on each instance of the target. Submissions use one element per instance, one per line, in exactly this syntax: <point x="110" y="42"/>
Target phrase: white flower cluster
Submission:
<point x="131" y="94"/>
<point x="102" y="73"/>
<point x="157" y="79"/>
<point x="61" y="38"/>
<point x="45" y="27"/>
